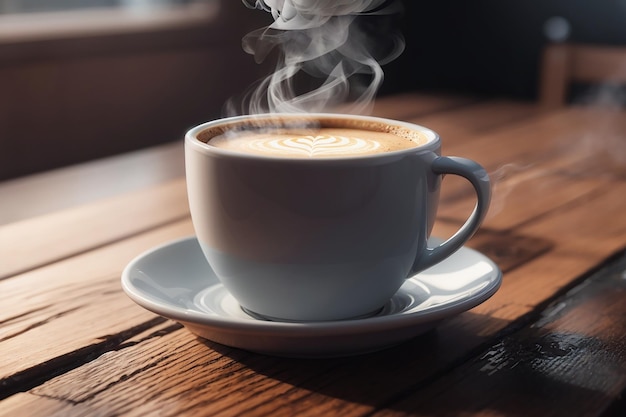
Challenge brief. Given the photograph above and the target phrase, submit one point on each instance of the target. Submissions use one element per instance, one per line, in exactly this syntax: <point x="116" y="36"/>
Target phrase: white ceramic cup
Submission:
<point x="321" y="239"/>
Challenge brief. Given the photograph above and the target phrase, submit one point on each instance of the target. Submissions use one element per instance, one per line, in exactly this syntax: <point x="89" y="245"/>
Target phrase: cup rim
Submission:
<point x="191" y="137"/>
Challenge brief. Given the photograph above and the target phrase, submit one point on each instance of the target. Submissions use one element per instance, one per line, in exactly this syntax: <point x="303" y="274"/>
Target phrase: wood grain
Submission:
<point x="572" y="355"/>
<point x="531" y="175"/>
<point x="173" y="373"/>
<point x="410" y="105"/>
<point x="463" y="123"/>
<point x="74" y="344"/>
<point x="72" y="303"/>
<point x="570" y="135"/>
<point x="64" y="188"/>
<point x="453" y="340"/>
<point x="35" y="242"/>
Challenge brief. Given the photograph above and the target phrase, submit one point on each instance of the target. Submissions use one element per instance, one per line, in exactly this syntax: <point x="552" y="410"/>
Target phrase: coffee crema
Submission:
<point x="318" y="143"/>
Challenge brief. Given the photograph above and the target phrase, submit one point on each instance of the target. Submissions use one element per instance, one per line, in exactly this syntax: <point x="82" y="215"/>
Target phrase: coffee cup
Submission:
<point x="320" y="217"/>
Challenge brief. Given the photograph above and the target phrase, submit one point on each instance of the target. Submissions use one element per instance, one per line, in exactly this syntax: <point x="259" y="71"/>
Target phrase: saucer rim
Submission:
<point x="392" y="321"/>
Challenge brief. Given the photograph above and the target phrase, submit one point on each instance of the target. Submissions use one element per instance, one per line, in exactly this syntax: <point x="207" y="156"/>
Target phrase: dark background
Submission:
<point x="78" y="98"/>
<point x="491" y="47"/>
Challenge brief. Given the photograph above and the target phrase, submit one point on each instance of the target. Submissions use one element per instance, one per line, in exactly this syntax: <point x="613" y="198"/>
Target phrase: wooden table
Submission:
<point x="551" y="341"/>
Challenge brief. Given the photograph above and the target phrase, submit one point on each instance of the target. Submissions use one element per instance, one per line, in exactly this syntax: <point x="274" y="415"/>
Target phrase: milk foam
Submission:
<point x="324" y="143"/>
<point x="311" y="145"/>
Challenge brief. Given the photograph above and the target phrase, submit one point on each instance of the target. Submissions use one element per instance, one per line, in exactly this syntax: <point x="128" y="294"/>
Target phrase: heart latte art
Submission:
<point x="322" y="143"/>
<point x="311" y="145"/>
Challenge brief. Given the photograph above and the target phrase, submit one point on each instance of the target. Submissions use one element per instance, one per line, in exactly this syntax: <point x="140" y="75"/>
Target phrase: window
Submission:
<point x="38" y="6"/>
<point x="31" y="20"/>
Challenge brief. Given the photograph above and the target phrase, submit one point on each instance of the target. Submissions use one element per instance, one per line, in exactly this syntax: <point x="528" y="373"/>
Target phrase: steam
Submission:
<point x="504" y="180"/>
<point x="607" y="141"/>
<point x="330" y="53"/>
<point x="597" y="152"/>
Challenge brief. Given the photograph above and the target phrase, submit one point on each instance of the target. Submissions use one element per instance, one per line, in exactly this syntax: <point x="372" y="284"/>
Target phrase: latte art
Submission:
<point x="322" y="143"/>
<point x="313" y="145"/>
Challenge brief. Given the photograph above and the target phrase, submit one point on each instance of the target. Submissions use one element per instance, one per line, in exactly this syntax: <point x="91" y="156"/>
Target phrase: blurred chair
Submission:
<point x="563" y="64"/>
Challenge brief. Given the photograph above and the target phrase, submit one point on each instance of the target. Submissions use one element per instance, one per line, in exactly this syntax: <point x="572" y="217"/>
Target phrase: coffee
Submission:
<point x="323" y="238"/>
<point x="323" y="142"/>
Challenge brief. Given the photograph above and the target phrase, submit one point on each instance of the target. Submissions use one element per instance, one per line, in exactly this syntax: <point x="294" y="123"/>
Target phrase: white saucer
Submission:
<point x="175" y="281"/>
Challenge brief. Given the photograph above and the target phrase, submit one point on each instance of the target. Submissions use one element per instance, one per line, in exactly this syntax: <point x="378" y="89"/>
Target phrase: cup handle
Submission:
<point x="479" y="178"/>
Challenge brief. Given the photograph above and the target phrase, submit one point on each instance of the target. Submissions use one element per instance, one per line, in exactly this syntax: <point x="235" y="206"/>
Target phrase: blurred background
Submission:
<point x="492" y="47"/>
<point x="87" y="79"/>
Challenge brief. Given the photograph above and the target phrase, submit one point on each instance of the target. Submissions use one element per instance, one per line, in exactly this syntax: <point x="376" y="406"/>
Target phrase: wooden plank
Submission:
<point x="409" y="105"/>
<point x="137" y="212"/>
<point x="569" y="134"/>
<point x="169" y="363"/>
<point x="350" y="386"/>
<point x="600" y="204"/>
<point x="595" y="226"/>
<point x="466" y="122"/>
<point x="13" y="406"/>
<point x="45" y="232"/>
<point x="73" y="303"/>
<point x="165" y="370"/>
<point x="31" y="243"/>
<point x="59" y="189"/>
<point x="570" y="155"/>
<point x="145" y="377"/>
<point x="575" y="240"/>
<point x="574" y="355"/>
<point x="521" y="197"/>
<point x="583" y="218"/>
<point x="558" y="246"/>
